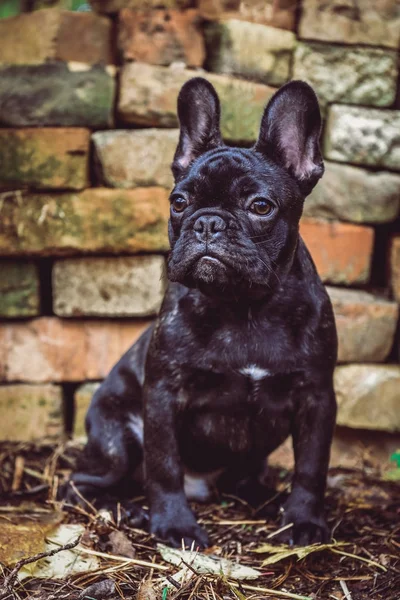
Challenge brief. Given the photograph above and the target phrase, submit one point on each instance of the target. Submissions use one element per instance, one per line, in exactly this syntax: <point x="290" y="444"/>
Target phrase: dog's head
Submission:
<point x="235" y="211"/>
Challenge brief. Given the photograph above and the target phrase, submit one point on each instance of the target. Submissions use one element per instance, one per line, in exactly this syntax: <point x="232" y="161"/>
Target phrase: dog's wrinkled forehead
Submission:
<point x="226" y="174"/>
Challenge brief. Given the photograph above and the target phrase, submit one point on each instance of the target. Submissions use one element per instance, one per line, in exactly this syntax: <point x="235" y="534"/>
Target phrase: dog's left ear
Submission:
<point x="199" y="114"/>
<point x="290" y="131"/>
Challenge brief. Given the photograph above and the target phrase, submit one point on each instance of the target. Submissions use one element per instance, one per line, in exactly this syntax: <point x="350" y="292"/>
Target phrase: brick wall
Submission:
<point x="87" y="132"/>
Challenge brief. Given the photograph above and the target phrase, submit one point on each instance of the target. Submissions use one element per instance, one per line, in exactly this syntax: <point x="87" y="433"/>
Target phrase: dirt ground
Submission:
<point x="363" y="562"/>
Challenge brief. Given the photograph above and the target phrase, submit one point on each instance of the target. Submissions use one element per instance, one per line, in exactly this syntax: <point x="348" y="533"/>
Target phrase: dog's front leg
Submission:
<point x="171" y="518"/>
<point x="312" y="432"/>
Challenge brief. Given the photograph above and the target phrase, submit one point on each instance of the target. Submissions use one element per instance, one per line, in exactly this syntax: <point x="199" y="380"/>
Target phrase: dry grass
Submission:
<point x="363" y="511"/>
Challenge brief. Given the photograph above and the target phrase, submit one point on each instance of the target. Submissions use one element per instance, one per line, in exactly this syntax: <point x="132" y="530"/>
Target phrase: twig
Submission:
<point x="132" y="561"/>
<point x="77" y="492"/>
<point x="10" y="579"/>
<point x="345" y="589"/>
<point x="356" y="557"/>
<point x="18" y="473"/>
<point x="253" y="588"/>
<point x="278" y="531"/>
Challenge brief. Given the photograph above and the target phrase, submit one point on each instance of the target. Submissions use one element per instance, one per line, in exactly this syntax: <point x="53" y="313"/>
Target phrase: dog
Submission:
<point x="243" y="351"/>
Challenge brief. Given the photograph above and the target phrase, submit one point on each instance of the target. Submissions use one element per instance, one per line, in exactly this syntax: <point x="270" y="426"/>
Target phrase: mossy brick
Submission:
<point x="342" y="252"/>
<point x="49" y="158"/>
<point x="57" y="94"/>
<point x="370" y="22"/>
<point x="121" y="286"/>
<point x="82" y="399"/>
<point x="354" y="194"/>
<point x="207" y="8"/>
<point x="277" y="13"/>
<point x="19" y="289"/>
<point x="259" y="52"/>
<point x="349" y="75"/>
<point x="31" y="413"/>
<point x="128" y="158"/>
<point x="363" y="136"/>
<point x="64" y="35"/>
<point x="148" y="96"/>
<point x="97" y="220"/>
<point x="49" y="349"/>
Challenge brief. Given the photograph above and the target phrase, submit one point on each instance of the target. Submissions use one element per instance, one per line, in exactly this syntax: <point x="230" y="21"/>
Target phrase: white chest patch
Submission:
<point x="254" y="372"/>
<point x="135" y="424"/>
<point x="199" y="487"/>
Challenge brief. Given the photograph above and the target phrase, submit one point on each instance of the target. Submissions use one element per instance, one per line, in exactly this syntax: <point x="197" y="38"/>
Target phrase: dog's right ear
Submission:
<point x="199" y="114"/>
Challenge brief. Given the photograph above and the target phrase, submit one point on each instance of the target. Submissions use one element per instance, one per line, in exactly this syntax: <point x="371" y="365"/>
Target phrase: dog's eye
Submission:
<point x="261" y="207"/>
<point x="179" y="203"/>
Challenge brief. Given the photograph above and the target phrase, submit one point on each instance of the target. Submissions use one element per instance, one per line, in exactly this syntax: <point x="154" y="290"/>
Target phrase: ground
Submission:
<point x="363" y="510"/>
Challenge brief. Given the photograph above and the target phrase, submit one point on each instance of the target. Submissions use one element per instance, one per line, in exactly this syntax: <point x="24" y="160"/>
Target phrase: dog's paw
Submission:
<point x="183" y="527"/>
<point x="308" y="527"/>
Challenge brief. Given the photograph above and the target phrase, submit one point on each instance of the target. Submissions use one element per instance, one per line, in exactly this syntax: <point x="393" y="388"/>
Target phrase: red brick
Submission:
<point x="51" y="349"/>
<point x="161" y="36"/>
<point x="341" y="251"/>
<point x="395" y="267"/>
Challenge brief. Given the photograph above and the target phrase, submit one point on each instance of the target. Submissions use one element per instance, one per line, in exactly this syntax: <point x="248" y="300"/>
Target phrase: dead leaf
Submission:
<point x="280" y="552"/>
<point x="65" y="563"/>
<point x="101" y="589"/>
<point x="202" y="563"/>
<point x="146" y="591"/>
<point x="24" y="535"/>
<point x="120" y="544"/>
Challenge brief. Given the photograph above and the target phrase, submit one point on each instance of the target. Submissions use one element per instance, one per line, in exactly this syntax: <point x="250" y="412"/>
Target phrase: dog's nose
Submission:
<point x="208" y="226"/>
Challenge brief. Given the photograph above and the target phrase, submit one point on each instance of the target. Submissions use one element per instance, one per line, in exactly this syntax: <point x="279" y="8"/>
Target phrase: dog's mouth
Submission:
<point x="209" y="269"/>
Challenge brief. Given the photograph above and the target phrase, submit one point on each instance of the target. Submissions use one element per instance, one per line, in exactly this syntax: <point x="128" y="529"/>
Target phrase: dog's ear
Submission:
<point x="199" y="113"/>
<point x="290" y="131"/>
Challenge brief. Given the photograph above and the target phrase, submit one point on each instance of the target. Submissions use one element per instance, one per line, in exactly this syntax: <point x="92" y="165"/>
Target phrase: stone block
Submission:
<point x="113" y="6"/>
<point x="209" y="9"/>
<point x="44" y="158"/>
<point x="64" y="35"/>
<point x="395" y="267"/>
<point x="19" y="289"/>
<point x="131" y="286"/>
<point x="366" y="325"/>
<point x="349" y="75"/>
<point x="82" y="399"/>
<point x="148" y="96"/>
<point x="31" y="413"/>
<point x="368" y="396"/>
<point x="353" y="194"/>
<point x="97" y="220"/>
<point x="135" y="157"/>
<point x="255" y="51"/>
<point x="341" y="251"/>
<point x="161" y="36"/>
<point x="57" y="94"/>
<point x="50" y="349"/>
<point x="277" y="13"/>
<point x="363" y="136"/>
<point x="351" y="449"/>
<point x="371" y="22"/>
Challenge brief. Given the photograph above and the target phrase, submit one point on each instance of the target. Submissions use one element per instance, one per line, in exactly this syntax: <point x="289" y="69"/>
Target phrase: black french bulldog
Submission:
<point x="243" y="351"/>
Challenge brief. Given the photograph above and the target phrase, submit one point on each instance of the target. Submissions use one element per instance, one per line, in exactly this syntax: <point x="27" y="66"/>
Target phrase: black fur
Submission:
<point x="243" y="351"/>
